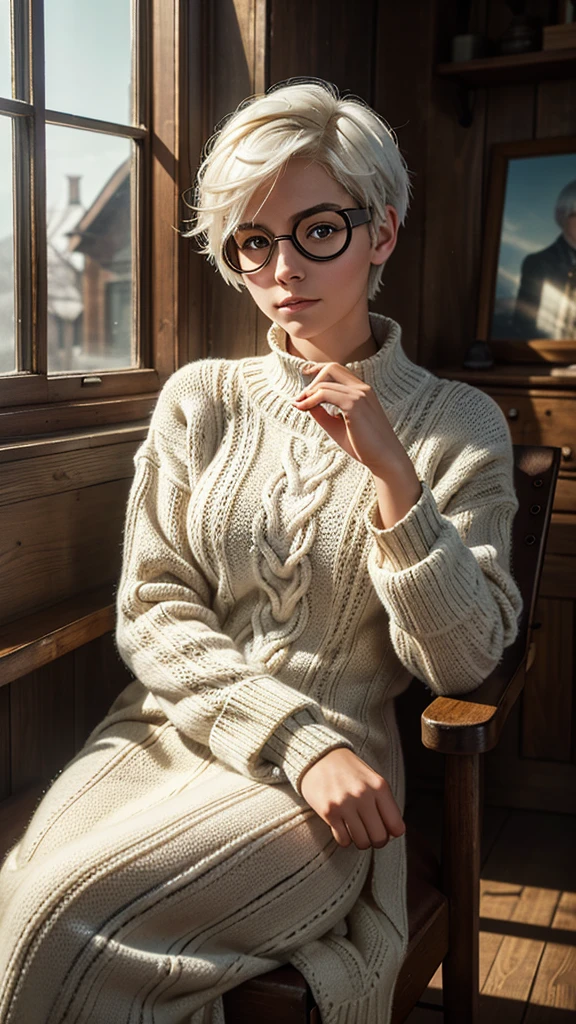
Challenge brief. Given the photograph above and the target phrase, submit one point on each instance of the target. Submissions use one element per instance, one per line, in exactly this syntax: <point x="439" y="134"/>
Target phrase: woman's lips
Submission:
<point x="297" y="305"/>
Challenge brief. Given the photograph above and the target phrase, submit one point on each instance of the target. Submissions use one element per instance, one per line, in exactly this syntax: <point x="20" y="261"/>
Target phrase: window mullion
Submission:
<point x="38" y="355"/>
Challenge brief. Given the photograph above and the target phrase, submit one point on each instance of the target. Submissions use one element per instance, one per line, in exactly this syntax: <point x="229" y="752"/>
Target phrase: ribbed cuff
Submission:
<point x="423" y="572"/>
<point x="298" y="742"/>
<point x="410" y="539"/>
<point x="255" y="710"/>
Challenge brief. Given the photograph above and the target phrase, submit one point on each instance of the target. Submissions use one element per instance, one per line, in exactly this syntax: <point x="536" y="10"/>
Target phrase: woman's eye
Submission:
<point x="320" y="231"/>
<point x="256" y="242"/>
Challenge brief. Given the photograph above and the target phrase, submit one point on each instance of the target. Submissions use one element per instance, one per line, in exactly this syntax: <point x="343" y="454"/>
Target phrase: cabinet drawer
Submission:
<point x="545" y="421"/>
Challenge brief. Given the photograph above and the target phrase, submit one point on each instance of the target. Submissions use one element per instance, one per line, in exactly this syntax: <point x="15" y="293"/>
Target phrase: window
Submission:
<point x="79" y="209"/>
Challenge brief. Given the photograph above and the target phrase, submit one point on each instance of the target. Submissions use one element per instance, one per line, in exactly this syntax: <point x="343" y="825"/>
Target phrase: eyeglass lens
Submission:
<point x="321" y="235"/>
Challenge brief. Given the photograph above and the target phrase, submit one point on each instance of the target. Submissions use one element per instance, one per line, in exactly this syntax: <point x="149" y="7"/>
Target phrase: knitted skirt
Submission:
<point x="153" y="878"/>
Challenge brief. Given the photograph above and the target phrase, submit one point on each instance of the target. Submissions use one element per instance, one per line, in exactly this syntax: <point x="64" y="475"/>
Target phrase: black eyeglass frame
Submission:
<point x="353" y="218"/>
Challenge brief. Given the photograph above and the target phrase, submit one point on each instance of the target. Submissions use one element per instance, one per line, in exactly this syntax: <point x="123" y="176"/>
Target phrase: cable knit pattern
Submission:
<point x="267" y="620"/>
<point x="285" y="578"/>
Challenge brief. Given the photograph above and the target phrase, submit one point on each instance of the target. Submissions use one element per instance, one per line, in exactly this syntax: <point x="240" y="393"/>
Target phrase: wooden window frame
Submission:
<point x="33" y="402"/>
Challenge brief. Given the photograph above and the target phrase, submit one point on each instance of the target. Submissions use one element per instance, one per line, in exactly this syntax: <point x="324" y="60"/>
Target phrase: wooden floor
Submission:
<point x="527" y="917"/>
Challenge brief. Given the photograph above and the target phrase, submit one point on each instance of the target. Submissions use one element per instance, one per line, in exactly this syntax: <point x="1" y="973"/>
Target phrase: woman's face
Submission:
<point x="336" y="291"/>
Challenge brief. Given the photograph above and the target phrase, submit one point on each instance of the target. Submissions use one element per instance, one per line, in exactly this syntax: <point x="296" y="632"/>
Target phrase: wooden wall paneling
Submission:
<point x="99" y="676"/>
<point x="59" y="545"/>
<point x="556" y="109"/>
<point x="65" y="471"/>
<point x="547" y="698"/>
<point x="562" y="535"/>
<point x="333" y="41"/>
<point x="558" y="576"/>
<point x="509" y="116"/>
<point x="236" y="61"/>
<point x="453" y="217"/>
<point x="5" y="772"/>
<point x="299" y="39"/>
<point x="531" y="783"/>
<point x="564" y="498"/>
<point x="42" y="723"/>
<point x="404" y="64"/>
<point x="350" y="54"/>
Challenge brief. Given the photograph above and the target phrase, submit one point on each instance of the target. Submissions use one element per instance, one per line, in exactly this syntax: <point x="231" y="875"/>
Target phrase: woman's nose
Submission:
<point x="288" y="265"/>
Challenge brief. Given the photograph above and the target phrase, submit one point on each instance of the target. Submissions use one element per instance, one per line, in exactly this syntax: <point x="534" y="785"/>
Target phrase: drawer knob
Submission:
<point x="512" y="414"/>
<point x="566" y="451"/>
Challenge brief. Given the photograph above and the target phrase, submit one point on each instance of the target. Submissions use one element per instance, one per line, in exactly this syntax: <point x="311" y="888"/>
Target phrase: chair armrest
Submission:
<point x="472" y="722"/>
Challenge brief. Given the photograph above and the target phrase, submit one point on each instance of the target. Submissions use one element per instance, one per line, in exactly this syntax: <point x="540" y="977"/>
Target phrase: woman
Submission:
<point x="305" y="532"/>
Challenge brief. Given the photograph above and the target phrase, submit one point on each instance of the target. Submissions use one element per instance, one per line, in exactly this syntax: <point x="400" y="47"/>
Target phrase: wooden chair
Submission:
<point x="443" y="901"/>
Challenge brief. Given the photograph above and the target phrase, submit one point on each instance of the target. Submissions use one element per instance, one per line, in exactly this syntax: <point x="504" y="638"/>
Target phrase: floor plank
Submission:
<point x="527" y="876"/>
<point x="514" y="968"/>
<point x="555" y="985"/>
<point x="498" y="901"/>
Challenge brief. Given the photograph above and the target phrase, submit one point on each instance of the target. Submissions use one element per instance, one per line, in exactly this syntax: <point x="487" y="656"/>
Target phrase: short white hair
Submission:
<point x="298" y="118"/>
<point x="565" y="204"/>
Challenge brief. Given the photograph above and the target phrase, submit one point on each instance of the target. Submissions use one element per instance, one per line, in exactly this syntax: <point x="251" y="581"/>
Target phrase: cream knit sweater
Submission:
<point x="260" y="604"/>
<point x="267" y="620"/>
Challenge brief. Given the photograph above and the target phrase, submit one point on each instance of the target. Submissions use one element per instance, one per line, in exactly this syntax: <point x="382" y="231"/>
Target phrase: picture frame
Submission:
<point x="527" y="301"/>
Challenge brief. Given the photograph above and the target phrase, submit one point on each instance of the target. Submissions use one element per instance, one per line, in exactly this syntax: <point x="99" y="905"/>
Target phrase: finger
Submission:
<point x="355" y="826"/>
<point x="340" y="833"/>
<point x="390" y="812"/>
<point x="347" y="388"/>
<point x="341" y="399"/>
<point x="375" y="828"/>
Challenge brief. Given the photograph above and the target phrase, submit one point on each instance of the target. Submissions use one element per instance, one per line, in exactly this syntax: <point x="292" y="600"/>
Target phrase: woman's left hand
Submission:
<point x="363" y="430"/>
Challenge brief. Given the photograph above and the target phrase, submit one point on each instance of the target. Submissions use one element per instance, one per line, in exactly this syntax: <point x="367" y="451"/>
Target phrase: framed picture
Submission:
<point x="527" y="306"/>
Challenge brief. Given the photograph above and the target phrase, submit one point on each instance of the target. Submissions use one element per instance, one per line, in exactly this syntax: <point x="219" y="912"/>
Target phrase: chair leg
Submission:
<point x="461" y="878"/>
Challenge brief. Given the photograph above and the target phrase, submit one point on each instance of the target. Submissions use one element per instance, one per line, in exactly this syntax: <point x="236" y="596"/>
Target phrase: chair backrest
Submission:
<point x="535" y="474"/>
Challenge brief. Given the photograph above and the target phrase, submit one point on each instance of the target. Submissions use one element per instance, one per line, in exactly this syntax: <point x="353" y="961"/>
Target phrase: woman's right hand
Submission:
<point x="352" y="799"/>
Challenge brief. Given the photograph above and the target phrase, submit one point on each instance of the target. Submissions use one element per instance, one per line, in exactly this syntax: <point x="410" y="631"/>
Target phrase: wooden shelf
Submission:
<point x="43" y="636"/>
<point x="520" y="67"/>
<point x="525" y="375"/>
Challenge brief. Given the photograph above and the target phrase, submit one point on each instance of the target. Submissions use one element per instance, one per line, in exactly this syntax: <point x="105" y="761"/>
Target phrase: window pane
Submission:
<point x="89" y="184"/>
<point x="88" y="58"/>
<point x="5" y="60"/>
<point x="7" y="347"/>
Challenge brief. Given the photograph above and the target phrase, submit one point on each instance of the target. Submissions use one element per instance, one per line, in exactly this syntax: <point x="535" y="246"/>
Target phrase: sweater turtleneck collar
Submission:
<point x="387" y="371"/>
<point x="277" y="378"/>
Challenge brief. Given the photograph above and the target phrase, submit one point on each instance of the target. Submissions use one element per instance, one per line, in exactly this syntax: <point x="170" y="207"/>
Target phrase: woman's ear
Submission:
<point x="386" y="239"/>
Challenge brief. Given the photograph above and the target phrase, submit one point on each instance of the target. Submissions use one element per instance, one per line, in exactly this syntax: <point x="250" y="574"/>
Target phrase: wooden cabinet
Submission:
<point x="541" y="419"/>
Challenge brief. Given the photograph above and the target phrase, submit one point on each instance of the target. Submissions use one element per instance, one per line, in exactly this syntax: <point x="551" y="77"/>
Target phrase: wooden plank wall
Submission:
<point x="46" y="716"/>
<point x="61" y="521"/>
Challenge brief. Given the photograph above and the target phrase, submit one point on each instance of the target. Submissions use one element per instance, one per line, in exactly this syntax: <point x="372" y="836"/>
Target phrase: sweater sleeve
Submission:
<point x="443" y="571"/>
<point x="167" y="632"/>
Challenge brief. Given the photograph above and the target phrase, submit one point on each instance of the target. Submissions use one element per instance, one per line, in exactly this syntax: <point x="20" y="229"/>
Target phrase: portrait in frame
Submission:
<point x="527" y="305"/>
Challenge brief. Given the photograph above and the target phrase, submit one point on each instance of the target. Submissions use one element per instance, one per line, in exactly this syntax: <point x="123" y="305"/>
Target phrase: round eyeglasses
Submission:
<point x="318" y="236"/>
